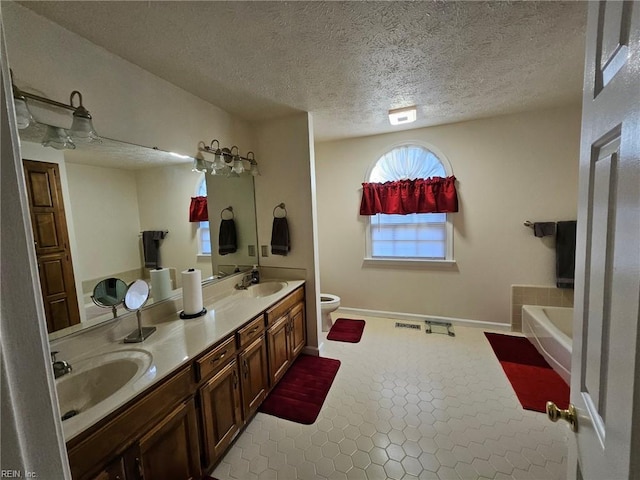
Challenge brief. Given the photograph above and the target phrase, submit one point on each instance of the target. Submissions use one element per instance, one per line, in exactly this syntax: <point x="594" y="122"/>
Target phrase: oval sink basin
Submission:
<point x="95" y="379"/>
<point x="265" y="289"/>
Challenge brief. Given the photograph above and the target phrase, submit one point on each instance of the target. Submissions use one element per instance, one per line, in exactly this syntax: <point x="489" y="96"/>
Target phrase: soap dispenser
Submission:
<point x="255" y="275"/>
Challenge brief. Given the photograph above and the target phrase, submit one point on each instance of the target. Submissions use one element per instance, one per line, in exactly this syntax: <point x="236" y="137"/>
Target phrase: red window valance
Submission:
<point x="198" y="210"/>
<point x="431" y="195"/>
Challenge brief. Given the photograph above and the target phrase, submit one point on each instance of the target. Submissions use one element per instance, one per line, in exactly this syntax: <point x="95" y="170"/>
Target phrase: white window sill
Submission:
<point x="204" y="256"/>
<point x="407" y="262"/>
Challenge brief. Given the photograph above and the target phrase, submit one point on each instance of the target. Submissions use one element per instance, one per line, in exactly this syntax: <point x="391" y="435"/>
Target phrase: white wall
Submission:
<point x="509" y="169"/>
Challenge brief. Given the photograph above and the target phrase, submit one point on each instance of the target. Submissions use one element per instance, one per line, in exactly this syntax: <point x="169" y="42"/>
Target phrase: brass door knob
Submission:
<point x="570" y="415"/>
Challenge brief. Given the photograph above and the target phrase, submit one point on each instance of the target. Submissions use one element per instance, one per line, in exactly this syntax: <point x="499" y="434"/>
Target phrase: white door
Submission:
<point x="605" y="379"/>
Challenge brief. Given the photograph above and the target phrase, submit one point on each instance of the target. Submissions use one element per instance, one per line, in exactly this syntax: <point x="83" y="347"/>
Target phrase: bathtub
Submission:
<point x="549" y="329"/>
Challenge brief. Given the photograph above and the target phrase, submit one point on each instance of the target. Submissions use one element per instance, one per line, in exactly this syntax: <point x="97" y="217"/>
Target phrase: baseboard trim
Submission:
<point x="315" y="351"/>
<point x="464" y="322"/>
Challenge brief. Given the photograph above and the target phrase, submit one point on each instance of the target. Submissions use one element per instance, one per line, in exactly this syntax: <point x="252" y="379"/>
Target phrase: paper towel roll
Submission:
<point x="160" y="284"/>
<point x="192" y="291"/>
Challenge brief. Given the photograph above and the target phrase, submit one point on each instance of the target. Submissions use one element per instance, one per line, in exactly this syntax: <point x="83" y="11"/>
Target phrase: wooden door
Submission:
<point x="170" y="451"/>
<point x="49" y="224"/>
<point x="605" y="386"/>
<point x="298" y="336"/>
<point x="255" y="380"/>
<point x="221" y="411"/>
<point x="279" y="353"/>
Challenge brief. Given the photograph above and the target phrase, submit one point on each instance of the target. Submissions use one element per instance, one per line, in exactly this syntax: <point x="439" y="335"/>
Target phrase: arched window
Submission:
<point x="204" y="233"/>
<point x="416" y="236"/>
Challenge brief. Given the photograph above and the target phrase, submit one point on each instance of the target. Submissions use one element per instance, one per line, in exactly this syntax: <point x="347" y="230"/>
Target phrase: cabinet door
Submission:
<point x="253" y="367"/>
<point x="115" y="471"/>
<point x="297" y="331"/>
<point x="279" y="357"/>
<point x="170" y="451"/>
<point x="221" y="411"/>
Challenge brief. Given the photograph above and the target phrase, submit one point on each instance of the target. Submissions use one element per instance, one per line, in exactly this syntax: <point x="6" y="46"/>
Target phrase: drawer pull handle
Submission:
<point x="217" y="359"/>
<point x="235" y="379"/>
<point x="246" y="369"/>
<point x="140" y="470"/>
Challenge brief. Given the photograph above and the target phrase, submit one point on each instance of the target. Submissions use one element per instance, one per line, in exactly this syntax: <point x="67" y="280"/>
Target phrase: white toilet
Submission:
<point x="328" y="304"/>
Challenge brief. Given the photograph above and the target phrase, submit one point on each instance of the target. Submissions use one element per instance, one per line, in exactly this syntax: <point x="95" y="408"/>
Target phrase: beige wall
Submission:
<point x="104" y="206"/>
<point x="127" y="103"/>
<point x="164" y="194"/>
<point x="285" y="156"/>
<point x="509" y="169"/>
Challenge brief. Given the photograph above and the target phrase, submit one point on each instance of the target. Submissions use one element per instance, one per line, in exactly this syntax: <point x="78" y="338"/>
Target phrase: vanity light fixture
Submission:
<point x="237" y="167"/>
<point x="400" y="116"/>
<point x="253" y="170"/>
<point x="199" y="164"/>
<point x="23" y="115"/>
<point x="57" y="138"/>
<point x="81" y="131"/>
<point x="227" y="161"/>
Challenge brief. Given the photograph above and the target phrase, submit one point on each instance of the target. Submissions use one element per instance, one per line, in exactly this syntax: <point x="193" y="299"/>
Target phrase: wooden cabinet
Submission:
<point x="286" y="336"/>
<point x="279" y="353"/>
<point x="98" y="450"/>
<point x="255" y="380"/>
<point x="113" y="471"/>
<point x="170" y="450"/>
<point x="185" y="424"/>
<point x="221" y="411"/>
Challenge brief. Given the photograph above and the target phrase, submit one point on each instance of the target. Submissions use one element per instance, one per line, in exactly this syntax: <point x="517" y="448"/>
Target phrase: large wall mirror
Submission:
<point x="113" y="191"/>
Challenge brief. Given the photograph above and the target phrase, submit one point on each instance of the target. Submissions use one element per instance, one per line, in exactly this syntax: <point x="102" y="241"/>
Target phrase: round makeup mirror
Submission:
<point x="109" y="293"/>
<point x="136" y="296"/>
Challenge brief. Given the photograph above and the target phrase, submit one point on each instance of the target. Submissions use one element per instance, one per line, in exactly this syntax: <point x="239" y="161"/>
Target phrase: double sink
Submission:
<point x="95" y="379"/>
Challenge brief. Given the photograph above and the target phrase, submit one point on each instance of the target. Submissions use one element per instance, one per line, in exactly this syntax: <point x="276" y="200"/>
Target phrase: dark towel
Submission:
<point x="280" y="244"/>
<point x="544" y="229"/>
<point x="227" y="238"/>
<point x="151" y="246"/>
<point x="565" y="254"/>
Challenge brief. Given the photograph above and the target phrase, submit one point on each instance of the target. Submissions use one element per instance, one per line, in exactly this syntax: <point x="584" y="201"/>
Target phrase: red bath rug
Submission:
<point x="346" y="330"/>
<point x="531" y="377"/>
<point x="299" y="396"/>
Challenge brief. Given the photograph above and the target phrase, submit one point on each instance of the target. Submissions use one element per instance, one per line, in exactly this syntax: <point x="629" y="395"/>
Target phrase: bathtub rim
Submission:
<point x="535" y="313"/>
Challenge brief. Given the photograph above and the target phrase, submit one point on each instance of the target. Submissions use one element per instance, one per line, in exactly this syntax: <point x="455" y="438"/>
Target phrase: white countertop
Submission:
<point x="173" y="344"/>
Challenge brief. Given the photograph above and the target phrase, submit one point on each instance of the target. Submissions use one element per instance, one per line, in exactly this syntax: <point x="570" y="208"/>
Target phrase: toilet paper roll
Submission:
<point x="160" y="284"/>
<point x="192" y="291"/>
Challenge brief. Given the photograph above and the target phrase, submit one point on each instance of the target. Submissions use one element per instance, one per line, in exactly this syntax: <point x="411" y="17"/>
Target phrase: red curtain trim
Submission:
<point x="430" y="195"/>
<point x="198" y="210"/>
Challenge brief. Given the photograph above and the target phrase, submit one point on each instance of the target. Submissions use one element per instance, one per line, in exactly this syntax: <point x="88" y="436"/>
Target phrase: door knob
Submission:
<point x="570" y="415"/>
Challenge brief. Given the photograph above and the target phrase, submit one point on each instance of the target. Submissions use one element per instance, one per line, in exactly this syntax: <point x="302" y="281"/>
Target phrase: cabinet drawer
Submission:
<point x="216" y="358"/>
<point x="284" y="305"/>
<point x="251" y="331"/>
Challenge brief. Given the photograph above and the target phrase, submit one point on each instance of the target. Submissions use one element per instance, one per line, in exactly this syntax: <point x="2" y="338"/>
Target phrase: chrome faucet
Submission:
<point x="60" y="367"/>
<point x="245" y="282"/>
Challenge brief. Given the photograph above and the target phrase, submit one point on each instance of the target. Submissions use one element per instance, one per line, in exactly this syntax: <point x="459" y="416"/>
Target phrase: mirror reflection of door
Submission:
<point x="48" y="220"/>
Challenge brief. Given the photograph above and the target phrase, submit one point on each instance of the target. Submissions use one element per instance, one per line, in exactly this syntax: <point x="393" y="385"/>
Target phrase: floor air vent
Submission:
<point x="413" y="326"/>
<point x="431" y="326"/>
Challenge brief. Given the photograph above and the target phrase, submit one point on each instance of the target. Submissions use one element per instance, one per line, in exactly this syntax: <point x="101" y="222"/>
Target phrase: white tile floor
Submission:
<point x="407" y="405"/>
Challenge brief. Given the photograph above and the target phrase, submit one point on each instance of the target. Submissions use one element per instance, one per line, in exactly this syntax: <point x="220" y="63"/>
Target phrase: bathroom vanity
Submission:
<point x="207" y="379"/>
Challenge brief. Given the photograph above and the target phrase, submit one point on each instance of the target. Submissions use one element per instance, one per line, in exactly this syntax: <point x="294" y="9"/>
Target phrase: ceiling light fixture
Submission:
<point x="399" y="116"/>
<point x="81" y="131"/>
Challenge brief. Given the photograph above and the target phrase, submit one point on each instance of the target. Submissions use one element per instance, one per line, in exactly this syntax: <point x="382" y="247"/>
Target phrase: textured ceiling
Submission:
<point x="348" y="62"/>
